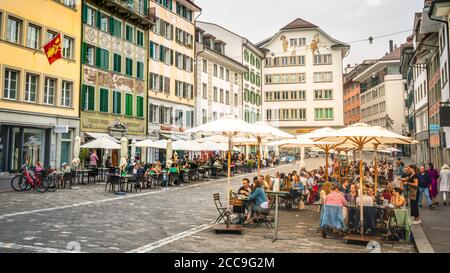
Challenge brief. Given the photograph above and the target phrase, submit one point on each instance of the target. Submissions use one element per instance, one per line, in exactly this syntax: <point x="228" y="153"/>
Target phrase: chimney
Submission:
<point x="391" y="45"/>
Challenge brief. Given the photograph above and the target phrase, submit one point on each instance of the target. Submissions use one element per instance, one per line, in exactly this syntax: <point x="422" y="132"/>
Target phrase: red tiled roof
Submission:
<point x="299" y="23"/>
<point x="394" y="55"/>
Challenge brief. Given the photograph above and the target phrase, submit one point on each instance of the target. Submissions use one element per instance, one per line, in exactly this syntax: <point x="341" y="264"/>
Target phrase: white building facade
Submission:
<point x="383" y="94"/>
<point x="302" y="78"/>
<point x="219" y="80"/>
<point x="243" y="51"/>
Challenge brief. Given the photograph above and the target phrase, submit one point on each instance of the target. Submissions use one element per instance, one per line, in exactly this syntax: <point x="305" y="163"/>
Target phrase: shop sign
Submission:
<point x="61" y="129"/>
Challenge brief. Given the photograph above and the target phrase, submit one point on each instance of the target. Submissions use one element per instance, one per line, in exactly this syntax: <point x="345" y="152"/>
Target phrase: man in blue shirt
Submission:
<point x="424" y="185"/>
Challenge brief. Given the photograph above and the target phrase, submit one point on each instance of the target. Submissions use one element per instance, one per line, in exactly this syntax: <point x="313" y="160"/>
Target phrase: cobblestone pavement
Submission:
<point x="88" y="219"/>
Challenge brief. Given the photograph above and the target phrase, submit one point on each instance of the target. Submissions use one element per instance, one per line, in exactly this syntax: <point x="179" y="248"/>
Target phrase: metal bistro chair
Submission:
<point x="113" y="181"/>
<point x="93" y="174"/>
<point x="67" y="177"/>
<point x="263" y="217"/>
<point x="224" y="214"/>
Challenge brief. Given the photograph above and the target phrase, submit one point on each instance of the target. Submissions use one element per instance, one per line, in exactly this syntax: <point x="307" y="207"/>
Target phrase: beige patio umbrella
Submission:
<point x="325" y="147"/>
<point x="76" y="152"/>
<point x="267" y="133"/>
<point x="230" y="127"/>
<point x="299" y="142"/>
<point x="360" y="135"/>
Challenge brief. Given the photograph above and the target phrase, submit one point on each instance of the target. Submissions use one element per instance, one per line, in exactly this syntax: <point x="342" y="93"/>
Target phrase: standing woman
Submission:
<point x="413" y="187"/>
<point x="444" y="183"/>
<point x="434" y="175"/>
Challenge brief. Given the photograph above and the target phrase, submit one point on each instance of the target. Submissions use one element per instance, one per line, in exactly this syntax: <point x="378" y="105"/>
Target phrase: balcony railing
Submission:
<point x="133" y="11"/>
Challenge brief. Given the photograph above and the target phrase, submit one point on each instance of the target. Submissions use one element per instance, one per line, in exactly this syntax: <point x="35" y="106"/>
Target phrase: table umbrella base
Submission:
<point x="223" y="228"/>
<point x="360" y="239"/>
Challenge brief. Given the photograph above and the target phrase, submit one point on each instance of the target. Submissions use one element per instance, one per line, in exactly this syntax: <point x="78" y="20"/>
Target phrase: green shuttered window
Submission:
<point x="129" y="104"/>
<point x="87" y="98"/>
<point x="139" y="106"/>
<point x="102" y="58"/>
<point x="140" y="70"/>
<point x="128" y="67"/>
<point x="117" y="103"/>
<point x="117" y="63"/>
<point x="104" y="100"/>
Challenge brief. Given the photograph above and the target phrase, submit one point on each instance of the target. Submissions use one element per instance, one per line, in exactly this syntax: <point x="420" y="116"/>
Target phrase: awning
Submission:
<point x="175" y="136"/>
<point x="100" y="135"/>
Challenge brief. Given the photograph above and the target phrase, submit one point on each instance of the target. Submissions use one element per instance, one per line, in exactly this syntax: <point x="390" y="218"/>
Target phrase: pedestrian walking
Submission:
<point x="424" y="185"/>
<point x="444" y="183"/>
<point x="434" y="175"/>
<point x="413" y="185"/>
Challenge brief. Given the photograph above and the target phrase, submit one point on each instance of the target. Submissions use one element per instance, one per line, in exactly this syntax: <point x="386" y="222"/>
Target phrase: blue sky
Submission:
<point x="345" y="20"/>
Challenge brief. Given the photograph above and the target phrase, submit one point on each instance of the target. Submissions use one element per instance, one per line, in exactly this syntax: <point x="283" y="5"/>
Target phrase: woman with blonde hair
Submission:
<point x="326" y="190"/>
<point x="267" y="183"/>
<point x="444" y="183"/>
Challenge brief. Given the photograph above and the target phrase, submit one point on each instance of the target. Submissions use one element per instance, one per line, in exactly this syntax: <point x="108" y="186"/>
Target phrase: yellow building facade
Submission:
<point x="39" y="102"/>
<point x="171" y="68"/>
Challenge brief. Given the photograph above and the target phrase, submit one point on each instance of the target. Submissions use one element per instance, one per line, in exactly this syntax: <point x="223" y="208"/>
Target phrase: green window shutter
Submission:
<point x="146" y="7"/>
<point x="129" y="67"/>
<point x="171" y="57"/>
<point x="140" y="70"/>
<point x="83" y="52"/>
<point x="98" y="57"/>
<point x="111" y="25"/>
<point x="152" y="50"/>
<point x="140" y="106"/>
<point x="83" y="97"/>
<point x="117" y="103"/>
<point x="99" y="19"/>
<point x="84" y="13"/>
<point x="117" y="63"/>
<point x="129" y="104"/>
<point x="104" y="99"/>
<point x="91" y="98"/>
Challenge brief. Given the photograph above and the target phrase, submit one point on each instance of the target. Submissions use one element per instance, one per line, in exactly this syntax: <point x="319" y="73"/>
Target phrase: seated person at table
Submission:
<point x="245" y="190"/>
<point x="366" y="199"/>
<point x="38" y="169"/>
<point x="65" y="168"/>
<point x="387" y="193"/>
<point x="397" y="199"/>
<point x="261" y="202"/>
<point x="345" y="188"/>
<point x="352" y="195"/>
<point x="336" y="198"/>
<point x="287" y="184"/>
<point x="267" y="182"/>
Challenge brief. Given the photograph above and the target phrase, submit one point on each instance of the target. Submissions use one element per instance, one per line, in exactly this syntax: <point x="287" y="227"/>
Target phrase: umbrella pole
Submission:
<point x="326" y="163"/>
<point x="376" y="169"/>
<point x="258" y="154"/>
<point x="338" y="171"/>
<point x="361" y="218"/>
<point x="229" y="176"/>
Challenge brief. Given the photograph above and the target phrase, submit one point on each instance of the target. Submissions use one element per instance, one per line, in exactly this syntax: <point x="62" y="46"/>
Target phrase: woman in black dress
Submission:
<point x="413" y="185"/>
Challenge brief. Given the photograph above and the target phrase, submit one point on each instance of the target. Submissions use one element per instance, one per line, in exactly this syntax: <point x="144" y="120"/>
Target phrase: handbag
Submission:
<point x="412" y="193"/>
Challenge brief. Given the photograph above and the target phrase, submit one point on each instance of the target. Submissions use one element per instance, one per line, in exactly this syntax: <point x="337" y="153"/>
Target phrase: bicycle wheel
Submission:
<point x="18" y="183"/>
<point x="42" y="186"/>
<point x="52" y="184"/>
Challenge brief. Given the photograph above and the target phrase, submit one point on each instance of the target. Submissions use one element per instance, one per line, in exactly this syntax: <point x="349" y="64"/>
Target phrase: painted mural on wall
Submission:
<point x="104" y="123"/>
<point x="314" y="45"/>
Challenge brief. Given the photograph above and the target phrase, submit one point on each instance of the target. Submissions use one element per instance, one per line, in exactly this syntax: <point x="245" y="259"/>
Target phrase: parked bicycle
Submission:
<point x="25" y="181"/>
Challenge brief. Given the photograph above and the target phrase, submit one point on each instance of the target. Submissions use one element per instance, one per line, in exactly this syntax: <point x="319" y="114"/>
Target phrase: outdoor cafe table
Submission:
<point x="81" y="173"/>
<point x="276" y="194"/>
<point x="124" y="178"/>
<point x="103" y="173"/>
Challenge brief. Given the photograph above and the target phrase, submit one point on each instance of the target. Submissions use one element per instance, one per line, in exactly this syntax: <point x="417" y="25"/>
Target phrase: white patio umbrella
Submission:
<point x="102" y="143"/>
<point x="76" y="152"/>
<point x="360" y="135"/>
<point x="186" y="145"/>
<point x="169" y="151"/>
<point x="133" y="150"/>
<point x="147" y="143"/>
<point x="124" y="148"/>
<point x="229" y="126"/>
